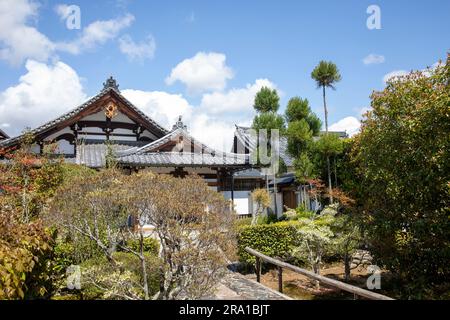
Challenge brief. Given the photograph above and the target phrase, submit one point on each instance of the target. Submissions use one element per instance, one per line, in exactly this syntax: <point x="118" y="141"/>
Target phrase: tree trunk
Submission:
<point x="347" y="266"/>
<point x="325" y="109"/>
<point x="143" y="265"/>
<point x="326" y="130"/>
<point x="335" y="173"/>
<point x="330" y="189"/>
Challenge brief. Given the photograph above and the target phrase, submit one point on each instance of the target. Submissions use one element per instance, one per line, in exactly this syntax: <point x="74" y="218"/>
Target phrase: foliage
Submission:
<point x="151" y="245"/>
<point x="194" y="226"/>
<point x="348" y="238"/>
<point x="267" y="100"/>
<point x="314" y="241"/>
<point x="326" y="74"/>
<point x="299" y="109"/>
<point x="403" y="157"/>
<point x="268" y="121"/>
<point x="298" y="213"/>
<point x="25" y="255"/>
<point x="101" y="280"/>
<point x="328" y="144"/>
<point x="90" y="207"/>
<point x="266" y="104"/>
<point x="303" y="124"/>
<point x="27" y="180"/>
<point x="274" y="239"/>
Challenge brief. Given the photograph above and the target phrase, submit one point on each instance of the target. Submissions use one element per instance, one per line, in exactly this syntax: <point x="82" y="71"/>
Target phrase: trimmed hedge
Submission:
<point x="274" y="240"/>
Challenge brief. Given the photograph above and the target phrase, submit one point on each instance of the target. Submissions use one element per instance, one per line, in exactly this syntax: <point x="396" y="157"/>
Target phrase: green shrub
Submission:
<point x="151" y="245"/>
<point x="242" y="222"/>
<point x="274" y="239"/>
<point x="267" y="219"/>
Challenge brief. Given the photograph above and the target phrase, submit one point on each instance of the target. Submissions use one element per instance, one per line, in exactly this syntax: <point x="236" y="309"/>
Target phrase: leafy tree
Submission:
<point x="268" y="121"/>
<point x="298" y="109"/>
<point x="267" y="100"/>
<point x="194" y="227"/>
<point x="327" y="146"/>
<point x="314" y="239"/>
<point x="326" y="74"/>
<point x="348" y="238"/>
<point x="26" y="251"/>
<point x="90" y="206"/>
<point x="29" y="180"/>
<point x="403" y="154"/>
<point x="303" y="124"/>
<point x="192" y="223"/>
<point x="267" y="104"/>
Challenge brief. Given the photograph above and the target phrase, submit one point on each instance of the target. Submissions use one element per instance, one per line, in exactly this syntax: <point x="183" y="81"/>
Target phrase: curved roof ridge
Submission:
<point x="80" y="108"/>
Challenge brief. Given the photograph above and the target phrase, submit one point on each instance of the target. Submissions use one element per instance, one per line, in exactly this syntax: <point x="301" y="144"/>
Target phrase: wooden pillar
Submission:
<point x="280" y="279"/>
<point x="232" y="188"/>
<point x="258" y="269"/>
<point x="219" y="180"/>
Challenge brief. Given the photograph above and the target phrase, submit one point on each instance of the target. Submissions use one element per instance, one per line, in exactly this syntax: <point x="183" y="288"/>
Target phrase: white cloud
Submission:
<point x="213" y="121"/>
<point x="235" y="100"/>
<point x="203" y="72"/>
<point x="394" y="74"/>
<point x="349" y="124"/>
<point x="165" y="108"/>
<point x="97" y="33"/>
<point x="43" y="93"/>
<point x="137" y="51"/>
<point x="161" y="106"/>
<point x="19" y="40"/>
<point x="373" y="59"/>
<point x="62" y="10"/>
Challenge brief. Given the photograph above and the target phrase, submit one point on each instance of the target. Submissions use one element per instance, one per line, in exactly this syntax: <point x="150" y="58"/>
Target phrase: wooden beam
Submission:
<point x="331" y="282"/>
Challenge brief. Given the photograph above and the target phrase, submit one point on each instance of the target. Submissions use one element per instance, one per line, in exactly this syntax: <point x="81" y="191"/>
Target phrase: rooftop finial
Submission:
<point x="179" y="125"/>
<point x="110" y="83"/>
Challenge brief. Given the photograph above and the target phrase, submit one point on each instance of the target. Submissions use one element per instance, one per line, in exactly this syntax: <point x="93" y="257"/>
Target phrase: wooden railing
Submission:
<point x="330" y="282"/>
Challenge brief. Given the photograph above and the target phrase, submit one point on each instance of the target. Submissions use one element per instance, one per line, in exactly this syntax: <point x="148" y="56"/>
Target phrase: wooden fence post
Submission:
<point x="280" y="279"/>
<point x="258" y="269"/>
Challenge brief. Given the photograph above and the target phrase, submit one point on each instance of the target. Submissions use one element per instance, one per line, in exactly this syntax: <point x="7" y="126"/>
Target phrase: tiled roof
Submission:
<point x="185" y="159"/>
<point x="3" y="135"/>
<point x="243" y="134"/>
<point x="80" y="108"/>
<point x="92" y="153"/>
<point x="149" y="154"/>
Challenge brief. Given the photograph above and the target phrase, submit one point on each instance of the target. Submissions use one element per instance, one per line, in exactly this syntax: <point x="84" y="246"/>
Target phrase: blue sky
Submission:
<point x="277" y="42"/>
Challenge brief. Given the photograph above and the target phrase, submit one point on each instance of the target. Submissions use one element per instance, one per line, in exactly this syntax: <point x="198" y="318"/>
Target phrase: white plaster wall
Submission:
<point x="120" y="138"/>
<point x="99" y="116"/>
<point x="121" y="118"/>
<point x="241" y="201"/>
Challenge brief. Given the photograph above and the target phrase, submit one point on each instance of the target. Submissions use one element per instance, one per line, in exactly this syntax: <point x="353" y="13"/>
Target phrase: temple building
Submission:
<point x="109" y="123"/>
<point x="286" y="192"/>
<point x="3" y="135"/>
